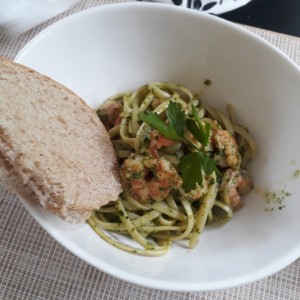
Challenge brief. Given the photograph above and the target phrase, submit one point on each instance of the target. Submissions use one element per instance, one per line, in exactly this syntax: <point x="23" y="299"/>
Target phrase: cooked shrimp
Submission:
<point x="197" y="192"/>
<point x="228" y="150"/>
<point x="109" y="113"/>
<point x="158" y="141"/>
<point x="234" y="185"/>
<point x="148" y="178"/>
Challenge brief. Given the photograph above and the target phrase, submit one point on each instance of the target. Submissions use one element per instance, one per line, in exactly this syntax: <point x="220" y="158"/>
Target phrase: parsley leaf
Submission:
<point x="200" y="133"/>
<point x="191" y="172"/>
<point x="176" y="117"/>
<point x="153" y="119"/>
<point x="208" y="164"/>
<point x="191" y="167"/>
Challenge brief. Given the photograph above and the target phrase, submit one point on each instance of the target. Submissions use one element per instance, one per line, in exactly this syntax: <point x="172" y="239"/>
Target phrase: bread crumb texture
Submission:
<point x="55" y="143"/>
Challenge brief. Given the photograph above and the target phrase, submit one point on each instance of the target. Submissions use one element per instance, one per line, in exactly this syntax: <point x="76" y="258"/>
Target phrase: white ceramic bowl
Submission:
<point x="108" y="49"/>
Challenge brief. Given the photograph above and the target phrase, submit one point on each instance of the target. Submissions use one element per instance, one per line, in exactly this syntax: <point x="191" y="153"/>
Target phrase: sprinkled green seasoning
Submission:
<point x="275" y="199"/>
<point x="269" y="209"/>
<point x="297" y="173"/>
<point x="207" y="82"/>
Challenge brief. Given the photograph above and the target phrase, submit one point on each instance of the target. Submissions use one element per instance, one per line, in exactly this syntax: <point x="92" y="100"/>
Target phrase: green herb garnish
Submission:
<point x="153" y="119"/>
<point x="207" y="82"/>
<point x="202" y="133"/>
<point x="176" y="117"/>
<point x="191" y="165"/>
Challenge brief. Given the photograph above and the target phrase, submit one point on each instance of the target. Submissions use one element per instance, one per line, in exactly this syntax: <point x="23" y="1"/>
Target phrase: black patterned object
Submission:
<point x="210" y="6"/>
<point x="200" y="5"/>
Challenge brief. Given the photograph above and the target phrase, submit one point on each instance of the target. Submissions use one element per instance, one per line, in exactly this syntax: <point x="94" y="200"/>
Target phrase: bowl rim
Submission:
<point x="155" y="5"/>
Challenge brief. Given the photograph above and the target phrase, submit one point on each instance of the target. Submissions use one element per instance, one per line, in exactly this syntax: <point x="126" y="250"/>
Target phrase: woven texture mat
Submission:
<point x="34" y="266"/>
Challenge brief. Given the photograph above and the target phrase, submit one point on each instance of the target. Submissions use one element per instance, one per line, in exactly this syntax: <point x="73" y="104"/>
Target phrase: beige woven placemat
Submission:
<point x="34" y="266"/>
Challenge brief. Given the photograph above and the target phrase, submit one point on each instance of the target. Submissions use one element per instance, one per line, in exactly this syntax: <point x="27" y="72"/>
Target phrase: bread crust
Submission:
<point x="54" y="144"/>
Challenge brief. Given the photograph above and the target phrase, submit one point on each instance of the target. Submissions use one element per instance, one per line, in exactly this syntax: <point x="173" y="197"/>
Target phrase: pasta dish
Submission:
<point x="182" y="166"/>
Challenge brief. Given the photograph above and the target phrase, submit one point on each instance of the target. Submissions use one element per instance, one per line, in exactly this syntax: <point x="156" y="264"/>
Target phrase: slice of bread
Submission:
<point x="12" y="181"/>
<point x="54" y="144"/>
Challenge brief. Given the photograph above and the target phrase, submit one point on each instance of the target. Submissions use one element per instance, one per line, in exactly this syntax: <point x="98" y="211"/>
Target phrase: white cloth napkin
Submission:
<point x="18" y="16"/>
